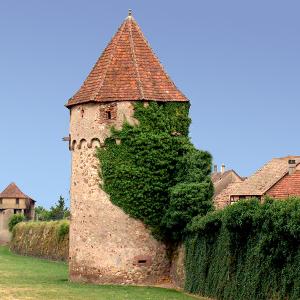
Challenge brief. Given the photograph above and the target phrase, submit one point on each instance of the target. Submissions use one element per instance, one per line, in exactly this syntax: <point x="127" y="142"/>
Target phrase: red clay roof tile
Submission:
<point x="127" y="70"/>
<point x="12" y="191"/>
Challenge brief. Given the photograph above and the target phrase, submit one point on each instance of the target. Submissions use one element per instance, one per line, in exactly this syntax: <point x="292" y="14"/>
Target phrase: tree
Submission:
<point x="42" y="214"/>
<point x="59" y="211"/>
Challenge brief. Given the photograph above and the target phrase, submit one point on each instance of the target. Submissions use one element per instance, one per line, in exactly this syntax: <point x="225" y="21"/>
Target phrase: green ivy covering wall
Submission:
<point x="155" y="174"/>
<point x="247" y="251"/>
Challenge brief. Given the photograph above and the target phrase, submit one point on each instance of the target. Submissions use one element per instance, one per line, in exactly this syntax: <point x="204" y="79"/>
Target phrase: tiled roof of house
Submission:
<point x="222" y="179"/>
<point x="223" y="198"/>
<point x="12" y="191"/>
<point x="127" y="70"/>
<point x="263" y="179"/>
<point x="217" y="176"/>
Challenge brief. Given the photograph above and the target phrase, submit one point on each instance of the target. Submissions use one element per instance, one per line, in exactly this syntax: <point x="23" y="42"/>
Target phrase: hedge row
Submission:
<point x="42" y="239"/>
<point x="247" y="251"/>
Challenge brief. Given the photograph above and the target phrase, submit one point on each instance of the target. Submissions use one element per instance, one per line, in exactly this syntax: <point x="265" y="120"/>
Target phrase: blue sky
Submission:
<point x="237" y="61"/>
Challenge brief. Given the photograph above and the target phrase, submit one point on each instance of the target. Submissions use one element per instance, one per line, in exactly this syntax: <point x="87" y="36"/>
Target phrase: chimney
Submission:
<point x="215" y="169"/>
<point x="222" y="168"/>
<point x="292" y="166"/>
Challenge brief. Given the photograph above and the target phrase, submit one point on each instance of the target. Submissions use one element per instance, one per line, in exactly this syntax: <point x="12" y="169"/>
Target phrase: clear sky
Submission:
<point x="237" y="61"/>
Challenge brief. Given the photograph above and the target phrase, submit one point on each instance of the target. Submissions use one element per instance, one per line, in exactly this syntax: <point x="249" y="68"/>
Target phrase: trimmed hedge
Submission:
<point x="247" y="251"/>
<point x="42" y="239"/>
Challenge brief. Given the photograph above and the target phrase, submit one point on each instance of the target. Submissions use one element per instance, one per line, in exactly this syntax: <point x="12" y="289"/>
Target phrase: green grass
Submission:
<point x="32" y="278"/>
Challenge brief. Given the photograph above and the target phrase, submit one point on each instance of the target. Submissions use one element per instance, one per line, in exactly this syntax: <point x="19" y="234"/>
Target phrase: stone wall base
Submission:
<point x="177" y="270"/>
<point x="174" y="273"/>
<point x="79" y="273"/>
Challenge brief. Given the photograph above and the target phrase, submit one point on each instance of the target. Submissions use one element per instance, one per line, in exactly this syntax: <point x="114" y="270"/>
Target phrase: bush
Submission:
<point x="247" y="251"/>
<point x="63" y="229"/>
<point x="14" y="220"/>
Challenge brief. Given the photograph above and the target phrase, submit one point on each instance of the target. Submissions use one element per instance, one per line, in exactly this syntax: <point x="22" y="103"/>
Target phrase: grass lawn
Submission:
<point x="32" y="278"/>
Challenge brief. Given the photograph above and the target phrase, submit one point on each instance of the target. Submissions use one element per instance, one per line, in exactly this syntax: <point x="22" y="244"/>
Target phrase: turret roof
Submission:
<point x="12" y="191"/>
<point x="127" y="70"/>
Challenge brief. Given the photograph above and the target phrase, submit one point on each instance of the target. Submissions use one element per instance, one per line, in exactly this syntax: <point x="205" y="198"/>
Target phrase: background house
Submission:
<point x="13" y="201"/>
<point x="222" y="180"/>
<point x="279" y="178"/>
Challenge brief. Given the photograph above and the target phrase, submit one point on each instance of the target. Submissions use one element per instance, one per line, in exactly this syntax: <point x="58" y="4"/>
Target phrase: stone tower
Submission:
<point x="106" y="245"/>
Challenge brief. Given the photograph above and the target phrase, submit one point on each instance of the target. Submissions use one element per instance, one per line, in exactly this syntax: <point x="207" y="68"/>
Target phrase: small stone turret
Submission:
<point x="106" y="245"/>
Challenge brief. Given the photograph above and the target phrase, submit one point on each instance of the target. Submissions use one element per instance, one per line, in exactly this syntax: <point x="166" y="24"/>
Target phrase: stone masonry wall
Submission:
<point x="177" y="271"/>
<point x="106" y="245"/>
<point x="5" y="235"/>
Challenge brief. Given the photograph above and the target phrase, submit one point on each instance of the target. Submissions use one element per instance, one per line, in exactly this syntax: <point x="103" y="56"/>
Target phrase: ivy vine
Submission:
<point x="155" y="174"/>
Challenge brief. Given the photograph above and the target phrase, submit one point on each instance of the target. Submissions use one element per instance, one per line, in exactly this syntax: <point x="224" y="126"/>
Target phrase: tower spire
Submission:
<point x="127" y="70"/>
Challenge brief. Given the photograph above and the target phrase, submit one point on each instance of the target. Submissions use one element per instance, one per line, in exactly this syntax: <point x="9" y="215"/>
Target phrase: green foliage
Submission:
<point x="155" y="172"/>
<point x="42" y="214"/>
<point x="57" y="212"/>
<point x="247" y="251"/>
<point x="14" y="220"/>
<point x="186" y="201"/>
<point x="63" y="229"/>
<point x="195" y="166"/>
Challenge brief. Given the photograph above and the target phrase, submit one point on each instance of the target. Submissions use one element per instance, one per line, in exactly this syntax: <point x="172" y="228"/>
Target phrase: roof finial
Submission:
<point x="129" y="12"/>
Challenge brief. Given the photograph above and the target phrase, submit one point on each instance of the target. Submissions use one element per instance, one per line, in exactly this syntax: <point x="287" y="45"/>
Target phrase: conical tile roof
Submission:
<point x="12" y="191"/>
<point x="127" y="70"/>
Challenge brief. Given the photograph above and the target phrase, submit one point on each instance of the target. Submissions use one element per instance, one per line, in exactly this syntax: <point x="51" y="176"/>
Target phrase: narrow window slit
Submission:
<point x="142" y="261"/>
<point x="82" y="112"/>
<point x="108" y="115"/>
